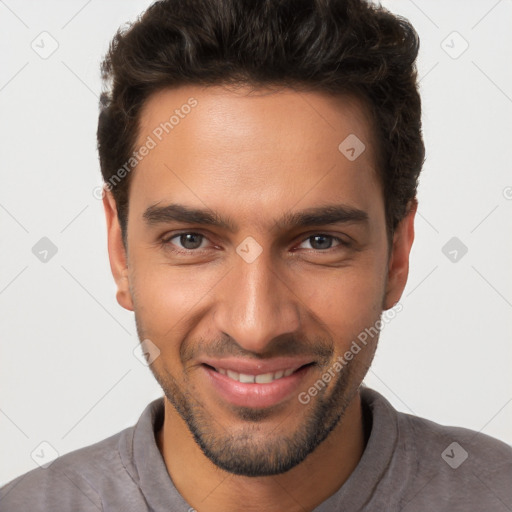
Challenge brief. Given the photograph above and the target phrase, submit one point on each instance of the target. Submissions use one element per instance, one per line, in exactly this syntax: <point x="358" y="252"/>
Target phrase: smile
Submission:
<point x="262" y="378"/>
<point x="256" y="384"/>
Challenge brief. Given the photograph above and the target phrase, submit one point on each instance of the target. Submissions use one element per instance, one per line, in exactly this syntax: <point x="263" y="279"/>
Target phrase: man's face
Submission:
<point x="256" y="251"/>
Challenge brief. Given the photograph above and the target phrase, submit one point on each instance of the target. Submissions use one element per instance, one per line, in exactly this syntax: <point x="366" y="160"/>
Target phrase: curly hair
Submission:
<point x="334" y="46"/>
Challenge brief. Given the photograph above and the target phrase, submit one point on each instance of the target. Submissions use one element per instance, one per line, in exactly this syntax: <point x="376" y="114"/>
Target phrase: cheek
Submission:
<point x="167" y="299"/>
<point x="345" y="300"/>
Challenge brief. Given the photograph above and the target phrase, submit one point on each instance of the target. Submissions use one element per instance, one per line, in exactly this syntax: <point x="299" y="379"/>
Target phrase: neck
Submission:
<point x="210" y="489"/>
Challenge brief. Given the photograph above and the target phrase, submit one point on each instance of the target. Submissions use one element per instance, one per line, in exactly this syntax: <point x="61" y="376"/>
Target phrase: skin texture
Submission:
<point x="252" y="157"/>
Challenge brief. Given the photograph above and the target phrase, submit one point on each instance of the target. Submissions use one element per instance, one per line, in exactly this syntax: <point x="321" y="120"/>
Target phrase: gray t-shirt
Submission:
<point x="409" y="464"/>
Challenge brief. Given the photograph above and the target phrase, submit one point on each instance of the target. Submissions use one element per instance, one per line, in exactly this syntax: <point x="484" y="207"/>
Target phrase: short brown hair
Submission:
<point x="335" y="46"/>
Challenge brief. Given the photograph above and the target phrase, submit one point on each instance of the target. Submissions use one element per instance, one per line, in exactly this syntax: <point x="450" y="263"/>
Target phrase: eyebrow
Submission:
<point x="317" y="216"/>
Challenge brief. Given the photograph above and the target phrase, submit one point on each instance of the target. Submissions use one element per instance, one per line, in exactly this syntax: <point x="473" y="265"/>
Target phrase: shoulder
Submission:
<point x="434" y="466"/>
<point x="74" y="481"/>
<point x="463" y="467"/>
<point x="454" y="447"/>
<point x="425" y="438"/>
<point x="463" y="443"/>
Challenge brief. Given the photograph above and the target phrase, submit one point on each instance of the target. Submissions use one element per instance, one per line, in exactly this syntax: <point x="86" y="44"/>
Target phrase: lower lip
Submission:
<point x="256" y="395"/>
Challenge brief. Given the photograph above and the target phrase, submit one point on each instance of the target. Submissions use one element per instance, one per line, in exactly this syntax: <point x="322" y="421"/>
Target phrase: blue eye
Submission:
<point x="191" y="241"/>
<point x="188" y="241"/>
<point x="322" y="242"/>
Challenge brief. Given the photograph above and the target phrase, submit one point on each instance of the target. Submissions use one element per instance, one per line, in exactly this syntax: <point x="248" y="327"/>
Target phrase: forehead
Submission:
<point x="258" y="150"/>
<point x="248" y="117"/>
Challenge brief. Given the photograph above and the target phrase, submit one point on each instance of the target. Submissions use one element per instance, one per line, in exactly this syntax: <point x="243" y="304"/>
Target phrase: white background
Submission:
<point x="68" y="375"/>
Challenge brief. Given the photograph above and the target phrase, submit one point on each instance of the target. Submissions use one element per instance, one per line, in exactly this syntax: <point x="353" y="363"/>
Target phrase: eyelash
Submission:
<point x="166" y="243"/>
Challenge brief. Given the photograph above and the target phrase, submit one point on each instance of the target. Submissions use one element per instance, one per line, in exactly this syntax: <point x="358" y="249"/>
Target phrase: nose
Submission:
<point x="255" y="304"/>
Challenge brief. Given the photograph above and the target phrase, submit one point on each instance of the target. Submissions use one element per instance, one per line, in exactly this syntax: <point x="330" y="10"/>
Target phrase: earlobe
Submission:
<point x="398" y="268"/>
<point x="117" y="252"/>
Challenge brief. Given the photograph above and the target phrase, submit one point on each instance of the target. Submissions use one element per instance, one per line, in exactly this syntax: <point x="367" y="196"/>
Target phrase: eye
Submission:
<point x="321" y="242"/>
<point x="186" y="241"/>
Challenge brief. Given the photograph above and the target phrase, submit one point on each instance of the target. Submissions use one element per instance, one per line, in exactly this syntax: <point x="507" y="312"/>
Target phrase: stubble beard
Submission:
<point x="253" y="448"/>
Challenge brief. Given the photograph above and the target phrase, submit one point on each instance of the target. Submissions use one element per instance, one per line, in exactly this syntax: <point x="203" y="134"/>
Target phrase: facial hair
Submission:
<point x="248" y="450"/>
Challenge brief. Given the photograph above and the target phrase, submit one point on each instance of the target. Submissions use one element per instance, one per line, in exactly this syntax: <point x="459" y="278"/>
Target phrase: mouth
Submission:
<point x="260" y="378"/>
<point x="256" y="385"/>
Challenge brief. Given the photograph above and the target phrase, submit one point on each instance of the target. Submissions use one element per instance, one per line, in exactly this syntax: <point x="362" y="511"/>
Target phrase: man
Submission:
<point x="260" y="163"/>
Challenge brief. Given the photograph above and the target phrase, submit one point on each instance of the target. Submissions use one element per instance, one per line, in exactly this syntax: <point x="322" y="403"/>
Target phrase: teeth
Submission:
<point x="233" y="375"/>
<point x="264" y="378"/>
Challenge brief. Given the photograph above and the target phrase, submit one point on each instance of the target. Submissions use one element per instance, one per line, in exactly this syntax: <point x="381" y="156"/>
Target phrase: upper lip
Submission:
<point x="257" y="367"/>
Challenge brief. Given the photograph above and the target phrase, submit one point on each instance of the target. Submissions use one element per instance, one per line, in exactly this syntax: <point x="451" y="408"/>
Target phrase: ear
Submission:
<point x="398" y="267"/>
<point x="117" y="252"/>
